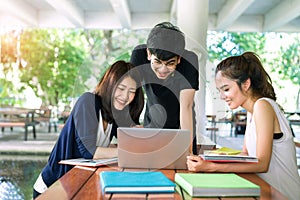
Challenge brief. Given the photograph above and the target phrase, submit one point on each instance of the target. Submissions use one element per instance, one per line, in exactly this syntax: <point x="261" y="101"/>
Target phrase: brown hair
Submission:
<point x="248" y="65"/>
<point x="107" y="85"/>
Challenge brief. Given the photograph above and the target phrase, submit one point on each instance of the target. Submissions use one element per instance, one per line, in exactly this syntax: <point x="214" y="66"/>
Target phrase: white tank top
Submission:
<point x="283" y="173"/>
<point x="103" y="137"/>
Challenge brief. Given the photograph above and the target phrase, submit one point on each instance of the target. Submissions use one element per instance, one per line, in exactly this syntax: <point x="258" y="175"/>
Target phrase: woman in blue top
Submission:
<point x="116" y="101"/>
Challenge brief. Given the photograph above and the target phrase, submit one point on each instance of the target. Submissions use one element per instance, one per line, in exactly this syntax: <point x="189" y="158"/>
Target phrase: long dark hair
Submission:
<point x="248" y="65"/>
<point x="106" y="88"/>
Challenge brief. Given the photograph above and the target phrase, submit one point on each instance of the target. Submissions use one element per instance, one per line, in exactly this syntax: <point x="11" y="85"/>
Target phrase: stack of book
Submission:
<point x="135" y="182"/>
<point x="216" y="185"/>
<point x="226" y="154"/>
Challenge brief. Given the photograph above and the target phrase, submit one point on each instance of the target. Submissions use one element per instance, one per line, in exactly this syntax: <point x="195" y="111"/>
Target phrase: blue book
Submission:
<point x="135" y="182"/>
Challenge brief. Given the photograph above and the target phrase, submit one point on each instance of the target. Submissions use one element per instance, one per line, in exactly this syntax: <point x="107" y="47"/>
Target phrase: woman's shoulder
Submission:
<point x="265" y="108"/>
<point x="85" y="99"/>
<point x="86" y="96"/>
<point x="263" y="102"/>
<point x="266" y="102"/>
<point x="266" y="99"/>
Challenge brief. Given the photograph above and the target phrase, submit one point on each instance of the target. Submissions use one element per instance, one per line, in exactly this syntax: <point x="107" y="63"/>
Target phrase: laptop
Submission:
<point x="153" y="148"/>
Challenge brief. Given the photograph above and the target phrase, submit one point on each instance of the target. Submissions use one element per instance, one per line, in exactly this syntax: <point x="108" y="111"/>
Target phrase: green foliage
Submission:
<point x="107" y="46"/>
<point x="7" y="88"/>
<point x="54" y="58"/>
<point x="60" y="64"/>
<point x="281" y="65"/>
<point x="221" y="45"/>
<point x="289" y="62"/>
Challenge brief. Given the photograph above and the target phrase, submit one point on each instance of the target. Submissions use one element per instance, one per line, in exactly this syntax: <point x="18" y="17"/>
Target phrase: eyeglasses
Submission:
<point x="171" y="64"/>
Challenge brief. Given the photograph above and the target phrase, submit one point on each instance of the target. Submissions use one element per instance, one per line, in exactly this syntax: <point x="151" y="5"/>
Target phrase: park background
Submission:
<point x="53" y="67"/>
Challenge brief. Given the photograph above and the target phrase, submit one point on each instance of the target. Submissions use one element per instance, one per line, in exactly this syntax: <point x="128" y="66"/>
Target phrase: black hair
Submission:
<point x="166" y="41"/>
<point x="248" y="66"/>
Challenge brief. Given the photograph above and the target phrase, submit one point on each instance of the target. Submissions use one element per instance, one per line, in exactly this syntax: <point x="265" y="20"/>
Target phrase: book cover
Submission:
<point x="135" y="182"/>
<point x="89" y="162"/>
<point x="216" y="185"/>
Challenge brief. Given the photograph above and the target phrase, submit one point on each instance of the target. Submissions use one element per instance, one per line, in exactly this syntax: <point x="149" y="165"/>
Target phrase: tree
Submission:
<point x="54" y="58"/>
<point x="107" y="46"/>
<point x="287" y="64"/>
<point x="221" y="45"/>
<point x="8" y="64"/>
<point x="60" y="64"/>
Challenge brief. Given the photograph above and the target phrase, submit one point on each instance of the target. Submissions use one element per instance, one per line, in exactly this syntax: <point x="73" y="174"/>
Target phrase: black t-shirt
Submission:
<point x="162" y="107"/>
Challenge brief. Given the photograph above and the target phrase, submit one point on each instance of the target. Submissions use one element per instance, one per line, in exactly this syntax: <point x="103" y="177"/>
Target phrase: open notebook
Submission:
<point x="153" y="148"/>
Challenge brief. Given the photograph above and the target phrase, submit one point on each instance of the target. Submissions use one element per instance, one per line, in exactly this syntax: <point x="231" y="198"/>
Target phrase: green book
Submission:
<point x="216" y="185"/>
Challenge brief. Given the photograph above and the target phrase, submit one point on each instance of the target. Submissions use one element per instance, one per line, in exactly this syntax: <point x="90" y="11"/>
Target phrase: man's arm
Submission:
<point x="186" y="112"/>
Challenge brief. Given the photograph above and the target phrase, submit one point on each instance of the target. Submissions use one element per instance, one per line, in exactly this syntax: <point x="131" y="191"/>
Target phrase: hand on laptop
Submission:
<point x="137" y="126"/>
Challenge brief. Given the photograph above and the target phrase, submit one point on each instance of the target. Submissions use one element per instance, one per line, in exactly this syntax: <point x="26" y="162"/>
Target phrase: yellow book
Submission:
<point x="224" y="151"/>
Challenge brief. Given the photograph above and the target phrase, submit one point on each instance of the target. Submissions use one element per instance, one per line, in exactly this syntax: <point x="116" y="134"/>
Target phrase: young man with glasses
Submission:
<point x="170" y="79"/>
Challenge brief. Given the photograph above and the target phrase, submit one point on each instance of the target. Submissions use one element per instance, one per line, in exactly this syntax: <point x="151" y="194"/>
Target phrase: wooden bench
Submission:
<point x="45" y="116"/>
<point x="22" y="122"/>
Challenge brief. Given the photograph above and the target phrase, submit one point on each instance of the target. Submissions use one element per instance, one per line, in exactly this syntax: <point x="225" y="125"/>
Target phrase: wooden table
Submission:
<point x="84" y="183"/>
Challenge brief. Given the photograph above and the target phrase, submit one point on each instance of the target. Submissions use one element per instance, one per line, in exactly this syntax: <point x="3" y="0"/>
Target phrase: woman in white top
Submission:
<point x="242" y="81"/>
